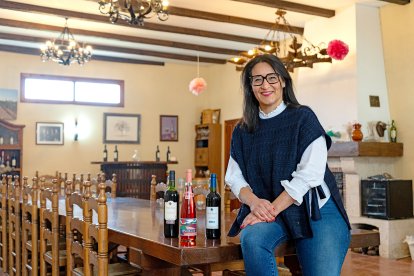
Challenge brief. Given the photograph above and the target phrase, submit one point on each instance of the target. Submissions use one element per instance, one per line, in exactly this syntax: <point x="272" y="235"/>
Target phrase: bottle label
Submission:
<point x="170" y="213"/>
<point x="188" y="227"/>
<point x="212" y="217"/>
<point x="188" y="195"/>
<point x="393" y="133"/>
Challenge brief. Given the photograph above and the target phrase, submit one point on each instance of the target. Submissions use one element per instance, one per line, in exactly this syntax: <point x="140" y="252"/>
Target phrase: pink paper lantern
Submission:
<point x="197" y="86"/>
<point x="337" y="49"/>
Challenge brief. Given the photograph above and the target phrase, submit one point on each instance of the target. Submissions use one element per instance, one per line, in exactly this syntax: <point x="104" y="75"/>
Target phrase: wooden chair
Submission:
<point x="3" y="224"/>
<point x="15" y="255"/>
<point x="49" y="231"/>
<point x="30" y="228"/>
<point x="89" y="241"/>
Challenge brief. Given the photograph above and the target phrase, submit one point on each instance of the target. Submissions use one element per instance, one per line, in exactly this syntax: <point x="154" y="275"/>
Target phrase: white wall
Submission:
<point x="331" y="89"/>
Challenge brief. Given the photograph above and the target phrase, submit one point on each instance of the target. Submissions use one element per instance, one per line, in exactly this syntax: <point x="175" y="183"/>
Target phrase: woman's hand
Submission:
<point x="263" y="209"/>
<point x="250" y="219"/>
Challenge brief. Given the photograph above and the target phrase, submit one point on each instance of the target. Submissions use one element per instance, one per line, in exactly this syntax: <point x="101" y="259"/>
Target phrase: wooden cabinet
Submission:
<point x="11" y="148"/>
<point x="207" y="155"/>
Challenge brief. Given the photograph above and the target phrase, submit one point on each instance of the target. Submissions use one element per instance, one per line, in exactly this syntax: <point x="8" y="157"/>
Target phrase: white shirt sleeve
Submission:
<point x="309" y="172"/>
<point x="234" y="178"/>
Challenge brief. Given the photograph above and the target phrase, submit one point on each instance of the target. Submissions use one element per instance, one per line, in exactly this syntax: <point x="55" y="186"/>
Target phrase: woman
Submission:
<point x="278" y="170"/>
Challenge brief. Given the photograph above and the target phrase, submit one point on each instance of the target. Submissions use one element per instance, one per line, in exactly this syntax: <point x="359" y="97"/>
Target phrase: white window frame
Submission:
<point x="24" y="76"/>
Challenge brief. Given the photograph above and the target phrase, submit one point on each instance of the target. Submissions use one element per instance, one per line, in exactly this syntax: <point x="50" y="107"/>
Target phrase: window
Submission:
<point x="71" y="90"/>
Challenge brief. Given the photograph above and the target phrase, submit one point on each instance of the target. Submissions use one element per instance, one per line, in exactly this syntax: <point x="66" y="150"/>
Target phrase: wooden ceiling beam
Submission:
<point x="115" y="49"/>
<point x="135" y="39"/>
<point x="290" y="6"/>
<point x="233" y="20"/>
<point x="399" y="2"/>
<point x="34" y="52"/>
<point x="104" y="19"/>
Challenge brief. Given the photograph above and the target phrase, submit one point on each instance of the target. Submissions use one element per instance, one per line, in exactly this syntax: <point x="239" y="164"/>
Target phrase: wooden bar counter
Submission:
<point x="134" y="177"/>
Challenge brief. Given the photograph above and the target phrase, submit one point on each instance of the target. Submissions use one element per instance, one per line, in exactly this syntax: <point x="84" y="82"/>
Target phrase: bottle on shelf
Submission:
<point x="393" y="132"/>
<point x="105" y="154"/>
<point x="11" y="140"/>
<point x="188" y="219"/>
<point x="171" y="199"/>
<point x="1" y="140"/>
<point x="168" y="154"/>
<point x="213" y="210"/>
<point x="7" y="160"/>
<point x="116" y="154"/>
<point x="157" y="154"/>
<point x="13" y="161"/>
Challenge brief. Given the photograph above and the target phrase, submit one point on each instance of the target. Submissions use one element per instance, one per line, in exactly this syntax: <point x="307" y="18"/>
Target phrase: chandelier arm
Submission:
<point x="295" y="54"/>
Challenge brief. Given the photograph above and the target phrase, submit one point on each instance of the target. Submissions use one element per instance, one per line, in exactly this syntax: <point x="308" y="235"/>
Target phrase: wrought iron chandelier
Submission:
<point x="299" y="53"/>
<point x="65" y="50"/>
<point x="134" y="11"/>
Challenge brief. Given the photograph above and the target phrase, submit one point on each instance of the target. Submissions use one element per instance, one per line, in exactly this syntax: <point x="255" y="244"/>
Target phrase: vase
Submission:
<point x="357" y="133"/>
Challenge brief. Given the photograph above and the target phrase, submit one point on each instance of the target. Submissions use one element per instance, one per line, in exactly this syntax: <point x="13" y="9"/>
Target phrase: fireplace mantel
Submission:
<point x="369" y="149"/>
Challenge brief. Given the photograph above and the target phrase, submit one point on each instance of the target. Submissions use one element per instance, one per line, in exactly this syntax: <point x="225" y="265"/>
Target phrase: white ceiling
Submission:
<point x="225" y="7"/>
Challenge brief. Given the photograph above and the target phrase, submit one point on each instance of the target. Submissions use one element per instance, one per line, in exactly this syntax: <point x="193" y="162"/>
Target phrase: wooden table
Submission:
<point x="138" y="223"/>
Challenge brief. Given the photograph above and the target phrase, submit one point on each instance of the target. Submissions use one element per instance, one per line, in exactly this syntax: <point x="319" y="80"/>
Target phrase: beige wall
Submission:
<point x="398" y="37"/>
<point x="149" y="91"/>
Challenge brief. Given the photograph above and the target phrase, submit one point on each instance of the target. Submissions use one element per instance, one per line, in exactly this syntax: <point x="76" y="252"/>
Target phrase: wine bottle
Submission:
<point x="1" y="140"/>
<point x="393" y="132"/>
<point x="13" y="161"/>
<point x="213" y="210"/>
<point x="116" y="154"/>
<point x="171" y="208"/>
<point x="105" y="154"/>
<point x="188" y="219"/>
<point x="168" y="154"/>
<point x="157" y="154"/>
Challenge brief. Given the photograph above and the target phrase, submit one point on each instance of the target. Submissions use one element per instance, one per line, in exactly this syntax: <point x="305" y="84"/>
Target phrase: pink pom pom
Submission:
<point x="337" y="49"/>
<point x="197" y="86"/>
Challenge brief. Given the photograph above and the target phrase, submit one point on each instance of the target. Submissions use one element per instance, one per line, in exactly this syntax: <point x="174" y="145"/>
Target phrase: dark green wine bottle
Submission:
<point x="171" y="208"/>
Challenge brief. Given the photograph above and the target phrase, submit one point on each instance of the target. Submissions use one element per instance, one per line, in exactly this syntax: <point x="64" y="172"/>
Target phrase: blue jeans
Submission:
<point x="321" y="255"/>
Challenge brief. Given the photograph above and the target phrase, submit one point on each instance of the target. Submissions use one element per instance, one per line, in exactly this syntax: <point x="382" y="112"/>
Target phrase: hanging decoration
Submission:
<point x="198" y="84"/>
<point x="337" y="49"/>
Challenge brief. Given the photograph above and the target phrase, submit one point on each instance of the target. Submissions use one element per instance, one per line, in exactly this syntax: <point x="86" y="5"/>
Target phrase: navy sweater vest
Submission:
<point x="270" y="154"/>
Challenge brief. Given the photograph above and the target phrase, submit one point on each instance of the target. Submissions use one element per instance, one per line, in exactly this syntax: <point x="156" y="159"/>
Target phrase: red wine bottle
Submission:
<point x="188" y="219"/>
<point x="213" y="210"/>
<point x="171" y="198"/>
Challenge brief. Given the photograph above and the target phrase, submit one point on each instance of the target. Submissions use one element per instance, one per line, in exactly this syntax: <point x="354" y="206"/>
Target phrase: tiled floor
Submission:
<point x="362" y="265"/>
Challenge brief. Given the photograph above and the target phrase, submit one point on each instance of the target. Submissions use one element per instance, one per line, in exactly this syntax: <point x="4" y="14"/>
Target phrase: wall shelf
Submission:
<point x="367" y="149"/>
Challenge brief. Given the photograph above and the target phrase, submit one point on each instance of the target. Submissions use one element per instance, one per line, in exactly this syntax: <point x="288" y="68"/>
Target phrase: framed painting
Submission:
<point x="168" y="128"/>
<point x="121" y="128"/>
<point x="49" y="133"/>
<point x="8" y="104"/>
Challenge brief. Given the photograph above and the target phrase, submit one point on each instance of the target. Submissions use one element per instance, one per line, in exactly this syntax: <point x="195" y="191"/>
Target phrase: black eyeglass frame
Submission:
<point x="265" y="77"/>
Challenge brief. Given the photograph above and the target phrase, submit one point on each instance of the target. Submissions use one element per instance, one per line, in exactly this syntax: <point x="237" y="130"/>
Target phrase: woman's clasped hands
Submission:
<point x="262" y="210"/>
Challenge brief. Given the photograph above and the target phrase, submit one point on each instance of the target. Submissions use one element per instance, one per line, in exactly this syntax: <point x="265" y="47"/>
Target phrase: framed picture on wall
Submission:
<point x="49" y="133"/>
<point x="168" y="128"/>
<point x="121" y="128"/>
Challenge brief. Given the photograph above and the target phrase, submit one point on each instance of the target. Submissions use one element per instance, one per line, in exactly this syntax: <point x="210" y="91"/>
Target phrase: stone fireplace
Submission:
<point x="357" y="164"/>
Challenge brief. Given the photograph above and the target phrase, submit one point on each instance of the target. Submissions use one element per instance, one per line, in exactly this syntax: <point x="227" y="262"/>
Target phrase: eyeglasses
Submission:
<point x="258" y="80"/>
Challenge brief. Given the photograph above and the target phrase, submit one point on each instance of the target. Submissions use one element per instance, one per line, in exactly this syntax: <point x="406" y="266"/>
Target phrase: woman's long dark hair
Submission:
<point x="250" y="103"/>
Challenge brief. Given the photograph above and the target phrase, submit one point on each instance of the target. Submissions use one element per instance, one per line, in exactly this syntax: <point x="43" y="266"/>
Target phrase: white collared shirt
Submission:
<point x="309" y="172"/>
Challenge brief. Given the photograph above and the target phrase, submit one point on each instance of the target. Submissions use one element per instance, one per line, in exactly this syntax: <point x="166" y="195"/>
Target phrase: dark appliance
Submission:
<point x="387" y="199"/>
